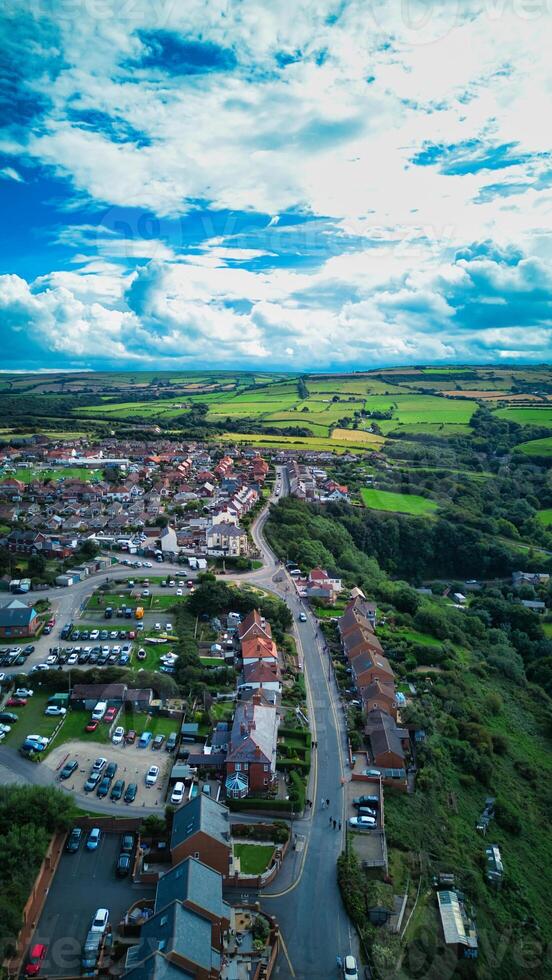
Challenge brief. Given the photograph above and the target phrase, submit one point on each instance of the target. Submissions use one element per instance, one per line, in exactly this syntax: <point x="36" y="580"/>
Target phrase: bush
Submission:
<point x="507" y="818"/>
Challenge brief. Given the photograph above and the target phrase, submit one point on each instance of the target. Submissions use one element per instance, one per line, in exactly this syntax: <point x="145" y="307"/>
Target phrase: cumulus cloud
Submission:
<point x="391" y="159"/>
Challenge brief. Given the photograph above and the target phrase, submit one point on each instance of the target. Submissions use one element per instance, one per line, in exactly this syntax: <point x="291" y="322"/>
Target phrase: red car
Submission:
<point x="91" y="726"/>
<point x="132" y="635"/>
<point x="16" y="702"/>
<point x="110" y="715"/>
<point x="36" y="959"/>
<point x="130" y="737"/>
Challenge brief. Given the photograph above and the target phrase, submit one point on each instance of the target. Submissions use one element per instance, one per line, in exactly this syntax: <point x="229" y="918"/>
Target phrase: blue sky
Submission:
<point x="313" y="185"/>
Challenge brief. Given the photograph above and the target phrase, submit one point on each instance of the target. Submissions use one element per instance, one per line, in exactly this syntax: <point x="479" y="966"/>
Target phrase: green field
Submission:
<point x="526" y="416"/>
<point x="28" y="474"/>
<point x="545" y="516"/>
<point x="536" y="447"/>
<point x="399" y="503"/>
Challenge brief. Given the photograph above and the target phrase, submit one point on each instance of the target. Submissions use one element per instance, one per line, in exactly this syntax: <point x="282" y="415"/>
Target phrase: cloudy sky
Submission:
<point x="304" y="184"/>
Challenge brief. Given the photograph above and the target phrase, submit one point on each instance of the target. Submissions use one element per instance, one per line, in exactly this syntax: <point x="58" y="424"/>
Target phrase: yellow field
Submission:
<point x="357" y="435"/>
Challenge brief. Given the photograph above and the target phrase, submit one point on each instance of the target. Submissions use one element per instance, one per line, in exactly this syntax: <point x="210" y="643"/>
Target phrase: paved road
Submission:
<point x="305" y="897"/>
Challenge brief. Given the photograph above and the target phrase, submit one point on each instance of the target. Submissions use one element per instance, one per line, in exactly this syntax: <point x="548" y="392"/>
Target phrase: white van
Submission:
<point x="99" y="711"/>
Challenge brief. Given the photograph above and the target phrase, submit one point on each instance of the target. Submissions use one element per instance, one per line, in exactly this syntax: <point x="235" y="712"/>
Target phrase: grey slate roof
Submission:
<point x="201" y="813"/>
<point x="157" y="967"/>
<point x="16" y="613"/>
<point x="176" y="928"/>
<point x="193" y="881"/>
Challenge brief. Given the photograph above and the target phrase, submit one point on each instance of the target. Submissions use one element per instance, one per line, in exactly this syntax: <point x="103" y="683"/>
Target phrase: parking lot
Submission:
<point x="84" y="882"/>
<point x="132" y="765"/>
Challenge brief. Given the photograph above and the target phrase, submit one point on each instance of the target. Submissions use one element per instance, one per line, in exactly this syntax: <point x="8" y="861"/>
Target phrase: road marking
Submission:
<point x="286" y="954"/>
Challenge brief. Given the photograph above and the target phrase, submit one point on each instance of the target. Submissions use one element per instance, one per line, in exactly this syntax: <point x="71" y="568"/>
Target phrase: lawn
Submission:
<point x="73" y="728"/>
<point x="254" y="858"/>
<point x="399" y="503"/>
<point x="141" y="722"/>
<point x="545" y="516"/>
<point x="29" y="473"/>
<point x="32" y="720"/>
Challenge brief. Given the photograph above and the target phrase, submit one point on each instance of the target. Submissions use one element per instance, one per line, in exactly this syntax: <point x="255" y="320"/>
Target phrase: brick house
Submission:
<point x="252" y="747"/>
<point x="17" y="619"/>
<point x="201" y="830"/>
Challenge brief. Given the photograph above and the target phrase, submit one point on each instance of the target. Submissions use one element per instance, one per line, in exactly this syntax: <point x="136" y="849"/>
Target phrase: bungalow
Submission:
<point x="17" y="619"/>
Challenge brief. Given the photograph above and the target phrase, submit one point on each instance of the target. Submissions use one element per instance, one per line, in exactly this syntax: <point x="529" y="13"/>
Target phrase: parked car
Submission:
<point x="92" y="782"/>
<point x="171" y="742"/>
<point x="206" y="789"/>
<point x="130" y="737"/>
<point x="103" y="787"/>
<point x="141" y="655"/>
<point x="100" y="920"/>
<point x="130" y="794"/>
<point x="364" y="822"/>
<point x="168" y="627"/>
<point x="144" y="740"/>
<point x="73" y="659"/>
<point x="117" y="790"/>
<point x="350" y="969"/>
<point x="158" y="741"/>
<point x="99" y="764"/>
<point x="302" y="617"/>
<point x="152" y="775"/>
<point x="177" y="794"/>
<point x="118" y="735"/>
<point x="127" y="843"/>
<point x="111" y="770"/>
<point x="54" y="710"/>
<point x="93" y="839"/>
<point x="69" y="769"/>
<point x="9" y="716"/>
<point x="16" y="703"/>
<point x="123" y="865"/>
<point x="37" y="955"/>
<point x="74" y="840"/>
<point x="23" y="692"/>
<point x="157" y="626"/>
<point x="92" y="725"/>
<point x="110" y="715"/>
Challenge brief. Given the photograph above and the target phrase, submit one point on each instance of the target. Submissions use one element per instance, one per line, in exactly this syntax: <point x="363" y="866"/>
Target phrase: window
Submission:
<point x="246" y="766"/>
<point x="196" y="855"/>
<point x="265" y="782"/>
<point x="265" y="768"/>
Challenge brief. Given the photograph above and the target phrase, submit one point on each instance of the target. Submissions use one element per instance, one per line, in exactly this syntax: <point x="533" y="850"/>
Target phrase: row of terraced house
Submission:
<point x="374" y="682"/>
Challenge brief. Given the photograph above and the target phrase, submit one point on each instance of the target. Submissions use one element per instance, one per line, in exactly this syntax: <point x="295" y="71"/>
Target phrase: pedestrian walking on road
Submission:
<point x="340" y="824"/>
<point x="331" y="821"/>
<point x="327" y="802"/>
<point x="323" y="804"/>
<point x="339" y="962"/>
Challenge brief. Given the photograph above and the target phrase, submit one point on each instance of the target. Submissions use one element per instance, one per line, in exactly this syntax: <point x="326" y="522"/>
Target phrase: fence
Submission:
<point x="35" y="902"/>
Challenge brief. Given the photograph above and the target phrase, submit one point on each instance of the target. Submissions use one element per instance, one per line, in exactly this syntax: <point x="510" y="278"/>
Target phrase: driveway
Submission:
<point x="84" y="882"/>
